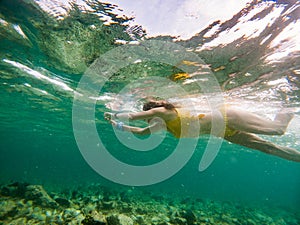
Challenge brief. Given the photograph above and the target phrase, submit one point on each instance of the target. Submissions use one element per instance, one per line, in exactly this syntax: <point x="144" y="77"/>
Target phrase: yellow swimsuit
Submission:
<point x="185" y="119"/>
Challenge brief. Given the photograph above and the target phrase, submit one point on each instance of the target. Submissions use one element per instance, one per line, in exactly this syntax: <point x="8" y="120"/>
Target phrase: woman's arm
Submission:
<point x="156" y="112"/>
<point x="155" y="126"/>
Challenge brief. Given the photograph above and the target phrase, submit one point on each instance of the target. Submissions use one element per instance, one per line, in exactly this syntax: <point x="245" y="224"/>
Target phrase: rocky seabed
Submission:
<point x="22" y="203"/>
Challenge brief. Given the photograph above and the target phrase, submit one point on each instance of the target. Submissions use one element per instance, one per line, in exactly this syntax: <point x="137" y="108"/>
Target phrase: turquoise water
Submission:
<point x="44" y="57"/>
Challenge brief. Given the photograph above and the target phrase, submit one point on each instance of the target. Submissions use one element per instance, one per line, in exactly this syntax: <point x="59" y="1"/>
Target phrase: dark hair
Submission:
<point x="155" y="104"/>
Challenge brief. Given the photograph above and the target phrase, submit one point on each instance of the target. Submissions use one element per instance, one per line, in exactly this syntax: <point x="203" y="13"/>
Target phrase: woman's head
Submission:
<point x="155" y="104"/>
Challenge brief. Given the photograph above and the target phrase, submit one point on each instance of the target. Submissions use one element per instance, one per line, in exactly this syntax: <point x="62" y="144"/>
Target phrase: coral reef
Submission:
<point x="22" y="203"/>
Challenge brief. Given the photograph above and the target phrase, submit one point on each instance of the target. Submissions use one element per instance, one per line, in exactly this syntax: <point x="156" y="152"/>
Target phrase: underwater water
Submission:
<point x="46" y="50"/>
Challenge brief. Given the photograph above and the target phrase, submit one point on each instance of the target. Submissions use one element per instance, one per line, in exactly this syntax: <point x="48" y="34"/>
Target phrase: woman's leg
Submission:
<point x="252" y="123"/>
<point x="255" y="142"/>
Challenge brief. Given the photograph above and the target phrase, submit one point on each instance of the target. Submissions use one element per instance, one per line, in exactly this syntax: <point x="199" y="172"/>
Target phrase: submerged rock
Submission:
<point x="108" y="205"/>
<point x="63" y="202"/>
<point x="16" y="189"/>
<point x="120" y="219"/>
<point x="179" y="221"/>
<point x="160" y="219"/>
<point x="19" y="221"/>
<point x="125" y="220"/>
<point x="139" y="219"/>
<point x="8" y="208"/>
<point x="38" y="195"/>
<point x="112" y="220"/>
<point x="189" y="216"/>
<point x="72" y="216"/>
<point x="94" y="218"/>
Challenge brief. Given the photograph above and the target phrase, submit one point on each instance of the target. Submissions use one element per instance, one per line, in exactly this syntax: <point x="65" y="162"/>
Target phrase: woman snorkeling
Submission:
<point x="238" y="127"/>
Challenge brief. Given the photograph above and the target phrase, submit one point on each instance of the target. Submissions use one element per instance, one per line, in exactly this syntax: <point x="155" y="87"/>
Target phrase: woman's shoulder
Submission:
<point x="165" y="113"/>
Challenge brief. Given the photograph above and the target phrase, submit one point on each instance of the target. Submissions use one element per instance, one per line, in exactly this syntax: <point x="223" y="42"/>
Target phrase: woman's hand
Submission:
<point x="109" y="116"/>
<point x="113" y="123"/>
